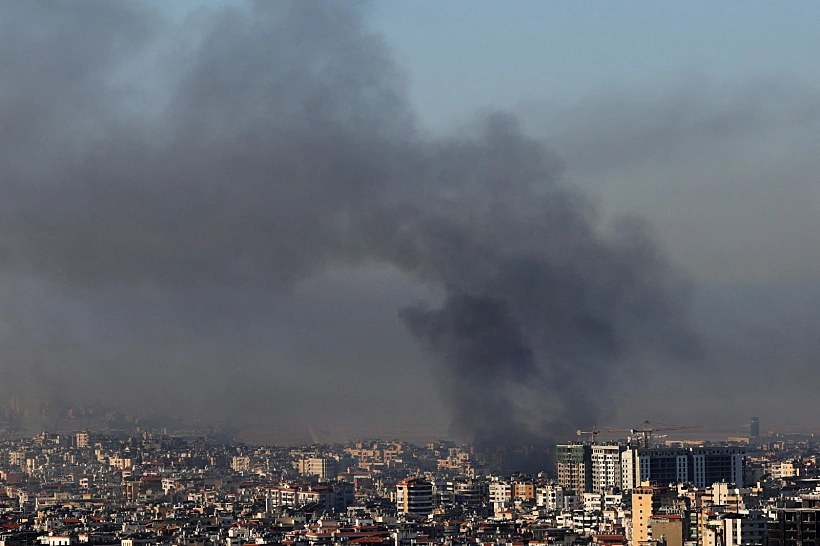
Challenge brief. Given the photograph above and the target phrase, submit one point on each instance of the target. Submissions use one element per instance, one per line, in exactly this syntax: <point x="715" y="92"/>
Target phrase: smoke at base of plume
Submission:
<point x="250" y="149"/>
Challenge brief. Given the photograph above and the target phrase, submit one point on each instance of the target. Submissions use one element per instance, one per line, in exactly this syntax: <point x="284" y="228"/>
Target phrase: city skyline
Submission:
<point x="153" y="487"/>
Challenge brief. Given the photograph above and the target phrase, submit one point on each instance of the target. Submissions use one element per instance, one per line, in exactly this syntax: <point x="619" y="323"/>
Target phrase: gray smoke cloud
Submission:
<point x="166" y="187"/>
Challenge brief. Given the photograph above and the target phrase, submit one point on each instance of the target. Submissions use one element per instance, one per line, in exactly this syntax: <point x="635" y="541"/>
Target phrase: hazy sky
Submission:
<point x="679" y="99"/>
<point x="487" y="218"/>
<point x="465" y="55"/>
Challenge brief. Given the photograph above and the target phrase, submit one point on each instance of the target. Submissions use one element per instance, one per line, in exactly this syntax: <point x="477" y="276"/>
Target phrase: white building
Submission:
<point x="593" y="502"/>
<point x="748" y="527"/>
<point x="58" y="540"/>
<point x="550" y="497"/>
<point x="606" y="468"/>
<point x="500" y="494"/>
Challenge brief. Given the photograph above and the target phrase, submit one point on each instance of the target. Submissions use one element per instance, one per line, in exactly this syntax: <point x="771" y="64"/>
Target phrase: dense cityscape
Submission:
<point x="354" y="273"/>
<point x="152" y="487"/>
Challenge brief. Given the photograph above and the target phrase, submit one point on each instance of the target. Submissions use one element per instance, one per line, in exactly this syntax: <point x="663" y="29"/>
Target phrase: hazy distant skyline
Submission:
<point x="292" y="215"/>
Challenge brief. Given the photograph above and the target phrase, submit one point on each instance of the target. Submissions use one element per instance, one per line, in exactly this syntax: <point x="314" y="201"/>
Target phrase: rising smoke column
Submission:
<point x="248" y="149"/>
<point x="543" y="309"/>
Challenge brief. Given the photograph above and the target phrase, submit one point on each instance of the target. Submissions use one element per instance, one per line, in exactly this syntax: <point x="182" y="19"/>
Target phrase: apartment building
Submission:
<point x="606" y="467"/>
<point x="574" y="463"/>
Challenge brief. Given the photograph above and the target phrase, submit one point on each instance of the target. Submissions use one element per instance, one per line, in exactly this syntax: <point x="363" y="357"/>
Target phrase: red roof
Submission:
<point x="610" y="536"/>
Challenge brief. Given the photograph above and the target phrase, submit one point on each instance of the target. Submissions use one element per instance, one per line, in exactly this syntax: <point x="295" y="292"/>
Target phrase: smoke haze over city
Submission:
<point x="243" y="214"/>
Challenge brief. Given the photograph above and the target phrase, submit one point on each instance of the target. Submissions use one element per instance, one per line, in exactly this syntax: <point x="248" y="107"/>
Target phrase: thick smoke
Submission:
<point x="194" y="169"/>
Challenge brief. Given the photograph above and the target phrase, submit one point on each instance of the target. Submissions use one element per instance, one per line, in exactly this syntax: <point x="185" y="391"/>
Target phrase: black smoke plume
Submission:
<point x="163" y="183"/>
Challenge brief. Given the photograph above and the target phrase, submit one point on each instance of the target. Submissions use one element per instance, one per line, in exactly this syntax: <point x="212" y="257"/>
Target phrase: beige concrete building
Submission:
<point x="241" y="464"/>
<point x="414" y="496"/>
<point x="670" y="530"/>
<point x="325" y="468"/>
<point x="641" y="512"/>
<point x="646" y="502"/>
<point x="574" y="463"/>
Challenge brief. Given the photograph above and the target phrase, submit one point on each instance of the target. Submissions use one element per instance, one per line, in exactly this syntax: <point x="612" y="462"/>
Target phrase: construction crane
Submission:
<point x="596" y="431"/>
<point x="646" y="431"/>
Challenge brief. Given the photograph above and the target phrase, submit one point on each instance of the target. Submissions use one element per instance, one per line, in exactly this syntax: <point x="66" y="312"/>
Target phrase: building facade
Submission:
<point x="414" y="496"/>
<point x="574" y="463"/>
<point x="322" y="467"/>
<point x="701" y="466"/>
<point x="655" y="465"/>
<point x="606" y="468"/>
<point x="717" y="464"/>
<point x="794" y="527"/>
